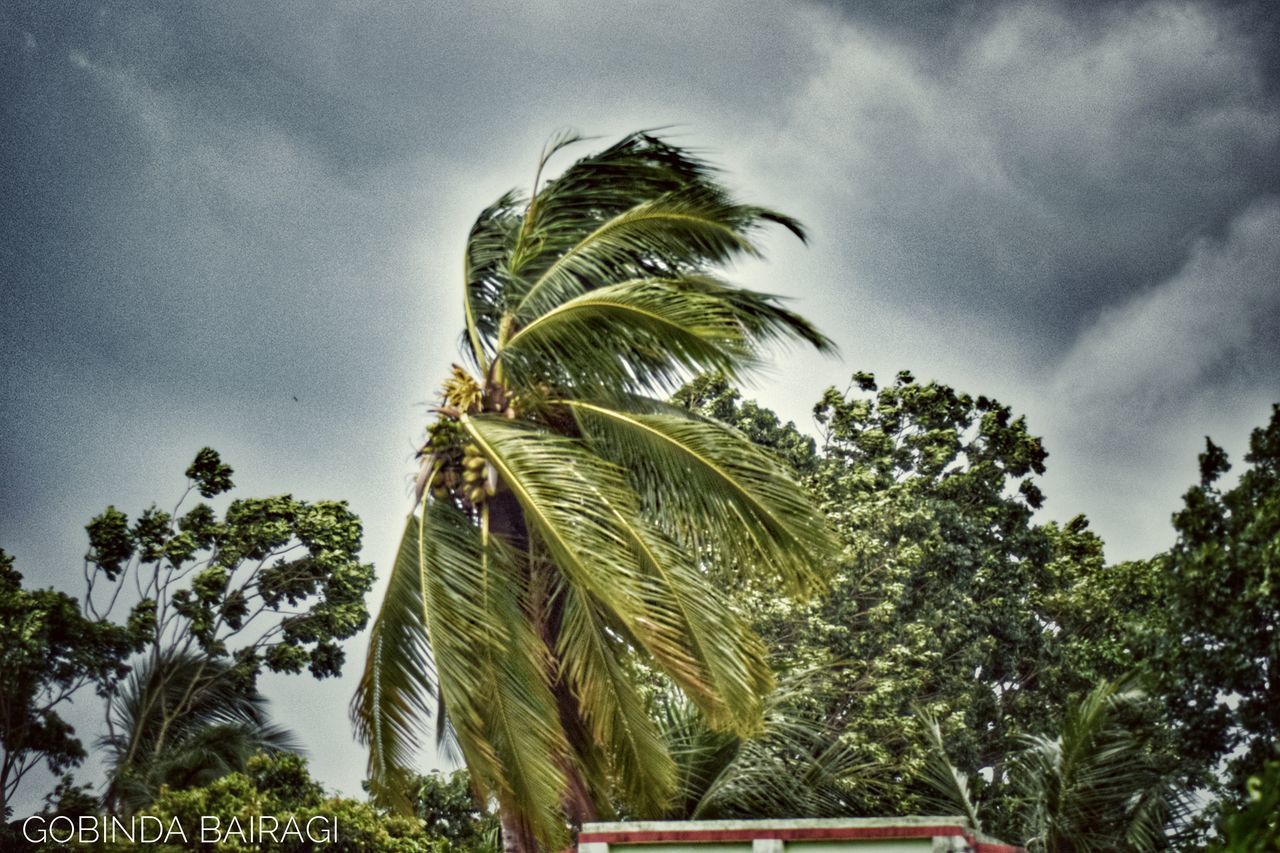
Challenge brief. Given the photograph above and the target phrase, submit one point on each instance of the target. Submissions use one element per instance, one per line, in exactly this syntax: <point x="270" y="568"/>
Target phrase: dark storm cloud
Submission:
<point x="940" y="23"/>
<point x="226" y="200"/>
<point x="1054" y="164"/>
<point x="1069" y="206"/>
<point x="365" y="89"/>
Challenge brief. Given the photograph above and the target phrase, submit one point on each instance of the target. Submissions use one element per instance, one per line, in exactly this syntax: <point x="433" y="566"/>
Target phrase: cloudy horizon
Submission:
<point x="241" y="226"/>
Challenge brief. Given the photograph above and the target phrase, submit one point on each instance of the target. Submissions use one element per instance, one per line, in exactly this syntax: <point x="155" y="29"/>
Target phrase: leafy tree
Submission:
<point x="449" y="811"/>
<point x="225" y="725"/>
<point x="1095" y="786"/>
<point x="275" y="582"/>
<point x="948" y="596"/>
<point x="1218" y="649"/>
<point x="280" y="786"/>
<point x="49" y="651"/>
<point x="570" y="513"/>
<point x="71" y="799"/>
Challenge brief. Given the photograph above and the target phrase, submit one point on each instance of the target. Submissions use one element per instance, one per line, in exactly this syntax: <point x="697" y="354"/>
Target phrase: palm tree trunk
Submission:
<point x="507" y="521"/>
<point x="516" y="835"/>
<point x="579" y="805"/>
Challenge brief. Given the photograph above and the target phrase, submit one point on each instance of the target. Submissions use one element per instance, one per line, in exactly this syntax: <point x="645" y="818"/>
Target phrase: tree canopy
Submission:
<point x="948" y="596"/>
<point x="1216" y="637"/>
<point x="274" y="582"/>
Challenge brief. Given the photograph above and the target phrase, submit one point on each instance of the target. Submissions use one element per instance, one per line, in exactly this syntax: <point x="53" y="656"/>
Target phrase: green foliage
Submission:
<point x="49" y="650"/>
<point x="795" y="766"/>
<point x="569" y="512"/>
<point x="280" y="786"/>
<point x="224" y="725"/>
<point x="947" y="597"/>
<point x="71" y="799"/>
<point x="274" y="582"/>
<point x="449" y="811"/>
<point x="1218" y="647"/>
<point x="293" y="560"/>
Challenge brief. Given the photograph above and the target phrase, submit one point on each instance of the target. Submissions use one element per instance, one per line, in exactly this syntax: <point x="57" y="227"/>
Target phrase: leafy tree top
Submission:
<point x="1219" y="650"/>
<point x="281" y="786"/>
<point x="947" y="595"/>
<point x="272" y="582"/>
<point x="275" y="581"/>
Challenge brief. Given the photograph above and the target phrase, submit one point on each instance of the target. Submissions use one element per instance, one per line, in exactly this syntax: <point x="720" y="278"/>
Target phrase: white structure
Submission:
<point x="841" y="835"/>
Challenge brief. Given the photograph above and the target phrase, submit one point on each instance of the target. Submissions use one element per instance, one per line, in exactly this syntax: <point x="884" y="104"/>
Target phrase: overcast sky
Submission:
<point x="213" y="209"/>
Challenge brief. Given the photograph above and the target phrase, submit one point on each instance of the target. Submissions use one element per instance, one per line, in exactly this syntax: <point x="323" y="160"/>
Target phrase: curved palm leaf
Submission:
<point x="733" y="672"/>
<point x="612" y="707"/>
<point x="394" y="698"/>
<point x="953" y="793"/>
<point x="678" y="231"/>
<point x="796" y="766"/>
<point x="493" y="670"/>
<point x="711" y="483"/>
<point x="659" y="331"/>
<point x="1092" y="787"/>
<point x="582" y="508"/>
<point x="224" y="725"/>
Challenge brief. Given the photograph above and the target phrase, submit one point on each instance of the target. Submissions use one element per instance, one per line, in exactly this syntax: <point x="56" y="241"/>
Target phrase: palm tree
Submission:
<point x="1093" y="787"/>
<point x="568" y="516"/>
<point x="797" y="766"/>
<point x="225" y="725"/>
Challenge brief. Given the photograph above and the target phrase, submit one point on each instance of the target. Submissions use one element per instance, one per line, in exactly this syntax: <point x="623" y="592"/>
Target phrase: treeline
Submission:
<point x="1040" y="664"/>
<point x="962" y="656"/>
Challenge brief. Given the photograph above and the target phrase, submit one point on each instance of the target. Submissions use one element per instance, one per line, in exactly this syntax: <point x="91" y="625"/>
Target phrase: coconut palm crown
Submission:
<point x="567" y="518"/>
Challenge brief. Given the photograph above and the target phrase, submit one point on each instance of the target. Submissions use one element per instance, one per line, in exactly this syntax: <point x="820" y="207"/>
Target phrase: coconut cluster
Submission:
<point x="451" y="464"/>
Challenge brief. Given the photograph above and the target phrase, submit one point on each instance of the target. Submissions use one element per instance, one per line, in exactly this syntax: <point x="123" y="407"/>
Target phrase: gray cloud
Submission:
<point x="1013" y="182"/>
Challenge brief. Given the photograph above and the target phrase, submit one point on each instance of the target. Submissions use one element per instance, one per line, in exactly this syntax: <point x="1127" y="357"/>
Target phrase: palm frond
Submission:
<point x="711" y="484"/>
<point x="572" y="500"/>
<point x="660" y="331"/>
<point x="733" y="674"/>
<point x="610" y="704"/>
<point x="486" y="275"/>
<point x="392" y="706"/>
<point x="583" y="509"/>
<point x="1094" y="786"/>
<point x="796" y="766"/>
<point x="658" y="334"/>
<point x="492" y="669"/>
<point x="679" y="232"/>
<point x="184" y="719"/>
<point x="950" y="784"/>
<point x="637" y="169"/>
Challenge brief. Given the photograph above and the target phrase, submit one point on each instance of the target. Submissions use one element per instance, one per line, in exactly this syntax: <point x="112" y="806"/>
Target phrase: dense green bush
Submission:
<point x="280" y="786"/>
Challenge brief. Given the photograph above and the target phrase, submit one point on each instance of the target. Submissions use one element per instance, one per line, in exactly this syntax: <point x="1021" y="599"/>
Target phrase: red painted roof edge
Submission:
<point x="799" y="833"/>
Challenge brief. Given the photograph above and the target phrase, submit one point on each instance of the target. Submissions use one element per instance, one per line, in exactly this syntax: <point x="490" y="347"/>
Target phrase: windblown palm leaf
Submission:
<point x="796" y="766"/>
<point x="1093" y="787"/>
<point x="952" y="791"/>
<point x="567" y="517"/>
<point x="226" y="724"/>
